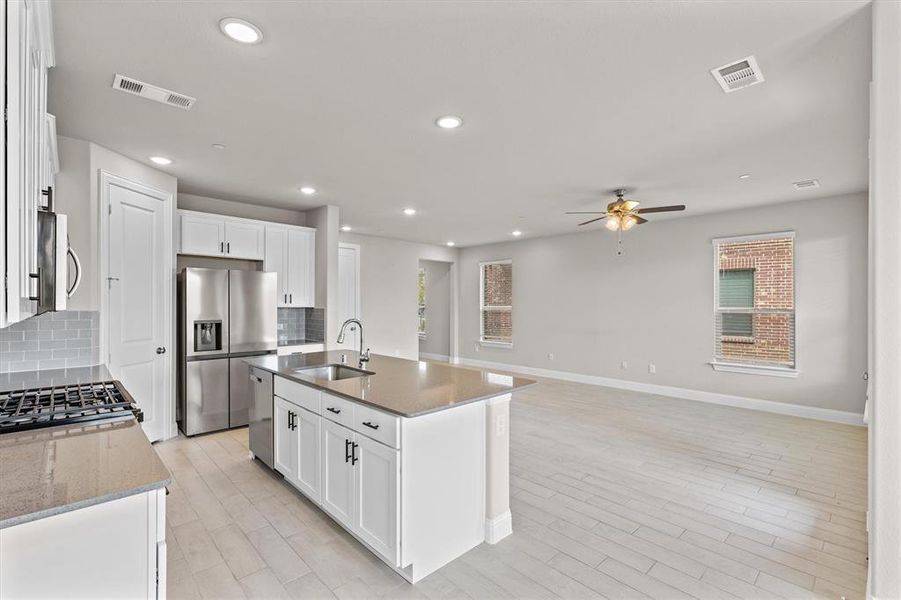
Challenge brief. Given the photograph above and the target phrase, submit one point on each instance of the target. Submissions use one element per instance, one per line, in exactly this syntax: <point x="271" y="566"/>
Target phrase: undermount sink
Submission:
<point x="333" y="372"/>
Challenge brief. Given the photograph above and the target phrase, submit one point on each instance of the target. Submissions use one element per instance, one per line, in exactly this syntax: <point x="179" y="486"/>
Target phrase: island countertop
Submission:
<point x="408" y="388"/>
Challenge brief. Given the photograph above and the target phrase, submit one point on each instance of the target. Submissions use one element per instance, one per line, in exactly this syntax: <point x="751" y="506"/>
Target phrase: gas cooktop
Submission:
<point x="21" y="410"/>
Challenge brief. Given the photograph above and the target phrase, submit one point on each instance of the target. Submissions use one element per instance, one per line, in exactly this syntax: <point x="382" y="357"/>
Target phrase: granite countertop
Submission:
<point x="44" y="472"/>
<point x="53" y="470"/>
<point x="408" y="388"/>
<point x="51" y="377"/>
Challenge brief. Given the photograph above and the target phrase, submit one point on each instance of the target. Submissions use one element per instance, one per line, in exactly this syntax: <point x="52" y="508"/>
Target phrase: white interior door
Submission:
<point x="139" y="297"/>
<point x="349" y="290"/>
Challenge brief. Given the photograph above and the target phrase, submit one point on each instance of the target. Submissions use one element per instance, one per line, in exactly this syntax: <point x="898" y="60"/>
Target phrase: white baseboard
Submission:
<point x="795" y="410"/>
<point x="430" y="356"/>
<point x="498" y="528"/>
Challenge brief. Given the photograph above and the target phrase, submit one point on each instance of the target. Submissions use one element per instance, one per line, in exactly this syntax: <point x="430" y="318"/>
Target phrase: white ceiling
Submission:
<point x="561" y="101"/>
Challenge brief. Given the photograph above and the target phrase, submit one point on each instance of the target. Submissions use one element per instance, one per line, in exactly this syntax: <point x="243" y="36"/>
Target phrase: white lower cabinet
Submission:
<point x="337" y="474"/>
<point x="375" y="496"/>
<point x="285" y="459"/>
<point x="114" y="550"/>
<point x="307" y="428"/>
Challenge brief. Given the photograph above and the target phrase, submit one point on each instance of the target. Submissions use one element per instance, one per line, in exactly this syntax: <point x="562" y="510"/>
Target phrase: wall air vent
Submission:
<point x="152" y="92"/>
<point x="737" y="75"/>
<point x="807" y="184"/>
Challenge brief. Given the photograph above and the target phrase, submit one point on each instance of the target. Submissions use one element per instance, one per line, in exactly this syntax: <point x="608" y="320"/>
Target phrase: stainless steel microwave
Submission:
<point x="52" y="276"/>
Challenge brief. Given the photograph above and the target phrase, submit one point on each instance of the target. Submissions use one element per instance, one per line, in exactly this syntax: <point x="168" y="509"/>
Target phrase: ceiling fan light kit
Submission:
<point x="622" y="215"/>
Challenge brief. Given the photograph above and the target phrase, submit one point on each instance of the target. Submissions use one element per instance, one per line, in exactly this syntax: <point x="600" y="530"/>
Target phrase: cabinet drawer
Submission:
<point x="338" y="409"/>
<point x="378" y="425"/>
<point x="297" y="393"/>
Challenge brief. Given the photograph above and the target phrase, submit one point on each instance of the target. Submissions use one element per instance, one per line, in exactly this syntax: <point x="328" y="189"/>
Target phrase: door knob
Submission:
<point x="160" y="350"/>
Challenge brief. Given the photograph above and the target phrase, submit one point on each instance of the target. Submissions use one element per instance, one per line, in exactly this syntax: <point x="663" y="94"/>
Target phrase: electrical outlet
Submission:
<point x="550" y="356"/>
<point x="652" y="368"/>
<point x="624" y="365"/>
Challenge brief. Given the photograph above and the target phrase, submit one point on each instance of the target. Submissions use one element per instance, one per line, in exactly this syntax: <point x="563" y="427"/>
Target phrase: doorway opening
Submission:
<point x="434" y="292"/>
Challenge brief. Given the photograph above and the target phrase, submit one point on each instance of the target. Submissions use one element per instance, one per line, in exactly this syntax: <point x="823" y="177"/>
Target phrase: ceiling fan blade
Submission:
<point x="640" y="220"/>
<point x="593" y="220"/>
<point x="658" y="209"/>
<point x="590" y="212"/>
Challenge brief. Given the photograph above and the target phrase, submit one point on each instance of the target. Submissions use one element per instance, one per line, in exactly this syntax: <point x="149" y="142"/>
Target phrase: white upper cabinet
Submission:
<point x="244" y="239"/>
<point x="204" y="234"/>
<point x="29" y="152"/>
<point x="291" y="253"/>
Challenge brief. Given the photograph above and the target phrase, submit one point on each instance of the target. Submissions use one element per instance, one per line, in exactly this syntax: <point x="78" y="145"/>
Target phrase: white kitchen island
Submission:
<point x="412" y="458"/>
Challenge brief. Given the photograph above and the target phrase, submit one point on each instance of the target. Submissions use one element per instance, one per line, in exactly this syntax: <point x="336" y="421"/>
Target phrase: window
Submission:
<point x="496" y="302"/>
<point x="421" y="301"/>
<point x="754" y="320"/>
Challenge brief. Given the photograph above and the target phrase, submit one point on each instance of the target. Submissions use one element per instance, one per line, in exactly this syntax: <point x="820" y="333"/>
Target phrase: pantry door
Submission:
<point x="139" y="299"/>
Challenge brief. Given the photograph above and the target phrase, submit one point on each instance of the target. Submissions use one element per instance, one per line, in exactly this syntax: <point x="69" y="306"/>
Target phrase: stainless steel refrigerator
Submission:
<point x="223" y="315"/>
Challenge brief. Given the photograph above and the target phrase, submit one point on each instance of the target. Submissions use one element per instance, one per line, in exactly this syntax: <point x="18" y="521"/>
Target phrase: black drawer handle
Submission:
<point x="337" y="411"/>
<point x="370" y="425"/>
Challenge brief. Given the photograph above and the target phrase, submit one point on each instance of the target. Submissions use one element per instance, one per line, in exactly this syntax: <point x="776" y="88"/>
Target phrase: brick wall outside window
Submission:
<point x="497" y="302"/>
<point x="772" y="261"/>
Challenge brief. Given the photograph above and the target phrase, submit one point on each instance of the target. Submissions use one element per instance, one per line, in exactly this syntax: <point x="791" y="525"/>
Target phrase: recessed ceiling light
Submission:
<point x="307" y="190"/>
<point x="517" y="233"/>
<point x="745" y="177"/>
<point x="219" y="146"/>
<point x="345" y="228"/>
<point x="241" y="30"/>
<point x="448" y="122"/>
<point x="160" y="160"/>
<point x="451" y="244"/>
<point x="409" y="211"/>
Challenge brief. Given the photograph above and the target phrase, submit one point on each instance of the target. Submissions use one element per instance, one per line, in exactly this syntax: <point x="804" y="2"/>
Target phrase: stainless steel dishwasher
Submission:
<point x="260" y="415"/>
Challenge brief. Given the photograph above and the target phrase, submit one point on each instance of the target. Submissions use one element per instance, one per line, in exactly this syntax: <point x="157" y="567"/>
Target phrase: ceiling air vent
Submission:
<point x="807" y="184"/>
<point x="152" y="92"/>
<point x="737" y="75"/>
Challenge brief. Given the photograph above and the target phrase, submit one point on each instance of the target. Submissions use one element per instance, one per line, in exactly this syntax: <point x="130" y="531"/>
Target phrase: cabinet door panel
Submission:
<point x="376" y="508"/>
<point x="275" y="260"/>
<point x="201" y="235"/>
<point x="301" y="267"/>
<point x="337" y="472"/>
<point x="244" y="240"/>
<point x="308" y="444"/>
<point x="285" y="442"/>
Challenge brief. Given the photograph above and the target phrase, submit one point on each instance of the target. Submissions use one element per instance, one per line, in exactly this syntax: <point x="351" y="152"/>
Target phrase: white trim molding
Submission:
<point x="498" y="528"/>
<point x="430" y="356"/>
<point x="754" y="369"/>
<point x="783" y="408"/>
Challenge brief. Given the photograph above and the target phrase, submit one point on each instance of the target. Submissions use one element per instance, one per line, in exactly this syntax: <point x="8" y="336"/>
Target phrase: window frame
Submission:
<point x="500" y="308"/>
<point x="736" y="366"/>
<point x="421" y="308"/>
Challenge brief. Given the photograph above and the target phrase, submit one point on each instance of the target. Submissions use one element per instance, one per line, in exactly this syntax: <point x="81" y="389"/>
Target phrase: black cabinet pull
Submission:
<point x="222" y="247"/>
<point x="347" y="452"/>
<point x="353" y="453"/>
<point x="228" y="247"/>
<point x="337" y="411"/>
<point x="370" y="425"/>
<point x="291" y="417"/>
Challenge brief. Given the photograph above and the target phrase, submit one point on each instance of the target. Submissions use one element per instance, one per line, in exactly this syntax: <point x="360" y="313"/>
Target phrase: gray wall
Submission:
<point x="438" y="306"/>
<point x="78" y="196"/>
<point x="575" y="298"/>
<point x="240" y="209"/>
<point x="388" y="271"/>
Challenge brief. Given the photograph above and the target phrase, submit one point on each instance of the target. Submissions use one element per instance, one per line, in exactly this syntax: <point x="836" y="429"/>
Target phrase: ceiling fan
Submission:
<point x="623" y="215"/>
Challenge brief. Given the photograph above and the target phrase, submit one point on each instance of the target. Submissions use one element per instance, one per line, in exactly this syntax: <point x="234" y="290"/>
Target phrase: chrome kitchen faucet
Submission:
<point x="364" y="356"/>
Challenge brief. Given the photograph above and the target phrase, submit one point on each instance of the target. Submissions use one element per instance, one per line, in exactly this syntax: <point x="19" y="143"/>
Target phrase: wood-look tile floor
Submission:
<point x="614" y="494"/>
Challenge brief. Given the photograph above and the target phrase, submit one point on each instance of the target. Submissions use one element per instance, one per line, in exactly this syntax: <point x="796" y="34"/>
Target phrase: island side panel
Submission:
<point x="498" y="519"/>
<point x="442" y="487"/>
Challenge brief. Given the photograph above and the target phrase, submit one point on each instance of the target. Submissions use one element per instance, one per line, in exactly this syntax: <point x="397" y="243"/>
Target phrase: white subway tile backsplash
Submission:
<point x="56" y="340"/>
